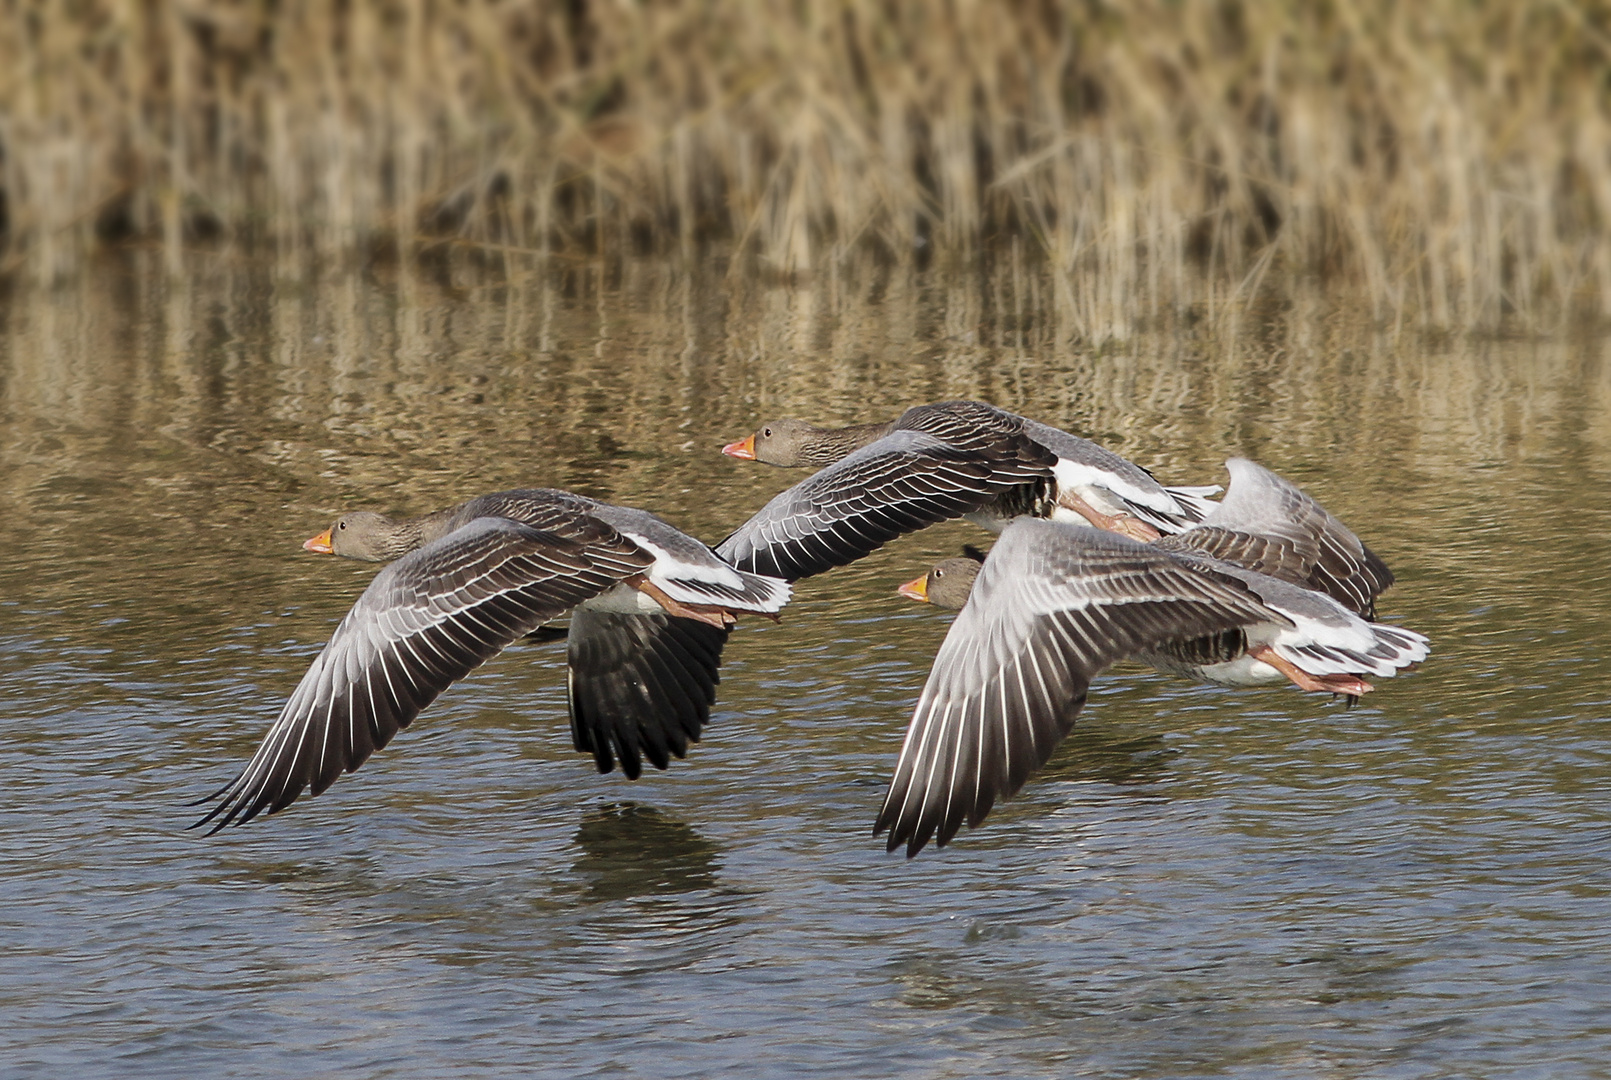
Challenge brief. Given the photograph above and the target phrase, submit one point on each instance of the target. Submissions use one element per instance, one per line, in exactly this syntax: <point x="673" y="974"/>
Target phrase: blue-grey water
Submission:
<point x="1202" y="883"/>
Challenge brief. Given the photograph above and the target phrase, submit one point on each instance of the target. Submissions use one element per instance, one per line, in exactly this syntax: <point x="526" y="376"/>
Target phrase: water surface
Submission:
<point x="1201" y="883"/>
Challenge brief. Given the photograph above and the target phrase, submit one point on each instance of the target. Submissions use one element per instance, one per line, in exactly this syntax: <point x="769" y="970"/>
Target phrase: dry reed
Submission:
<point x="1449" y="157"/>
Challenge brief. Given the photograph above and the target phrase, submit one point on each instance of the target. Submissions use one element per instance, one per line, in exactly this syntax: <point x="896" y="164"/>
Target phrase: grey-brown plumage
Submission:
<point x="479" y="577"/>
<point x="935" y="468"/>
<point x="1054" y="604"/>
<point x="949" y="583"/>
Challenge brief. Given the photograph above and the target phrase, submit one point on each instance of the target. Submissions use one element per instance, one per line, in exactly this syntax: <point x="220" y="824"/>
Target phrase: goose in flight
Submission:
<point x="936" y="462"/>
<point x="1055" y="604"/>
<point x="1264" y="524"/>
<point x="650" y="607"/>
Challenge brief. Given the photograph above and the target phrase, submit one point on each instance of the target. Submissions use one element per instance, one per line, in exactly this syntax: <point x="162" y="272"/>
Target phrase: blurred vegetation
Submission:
<point x="1449" y="158"/>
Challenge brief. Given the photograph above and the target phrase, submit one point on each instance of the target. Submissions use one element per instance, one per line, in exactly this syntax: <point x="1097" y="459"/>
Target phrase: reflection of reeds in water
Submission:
<point x="181" y="438"/>
<point x="1447" y="157"/>
<point x="410" y="394"/>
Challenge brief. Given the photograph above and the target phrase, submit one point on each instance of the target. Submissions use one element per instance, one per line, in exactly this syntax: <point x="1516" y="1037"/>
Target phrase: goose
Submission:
<point x="650" y="608"/>
<point x="1053" y="605"/>
<point x="1265" y="524"/>
<point x="933" y="463"/>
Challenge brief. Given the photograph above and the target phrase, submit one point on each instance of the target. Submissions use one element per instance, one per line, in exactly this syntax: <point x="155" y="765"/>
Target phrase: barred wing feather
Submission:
<point x="905" y="481"/>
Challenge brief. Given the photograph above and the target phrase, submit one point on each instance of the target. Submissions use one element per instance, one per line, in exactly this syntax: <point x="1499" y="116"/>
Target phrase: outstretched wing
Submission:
<point x="640" y="686"/>
<point x="905" y="481"/>
<point x="425" y="622"/>
<point x="1268" y="524"/>
<point x="1053" y="605"/>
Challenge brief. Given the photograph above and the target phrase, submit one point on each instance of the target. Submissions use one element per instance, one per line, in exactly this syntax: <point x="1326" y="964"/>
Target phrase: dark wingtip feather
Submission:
<point x="209" y="798"/>
<point x="204" y="819"/>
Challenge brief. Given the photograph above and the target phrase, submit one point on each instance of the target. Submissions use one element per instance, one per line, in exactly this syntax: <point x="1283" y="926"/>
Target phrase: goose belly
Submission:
<point x="1241" y="672"/>
<point x="623" y="600"/>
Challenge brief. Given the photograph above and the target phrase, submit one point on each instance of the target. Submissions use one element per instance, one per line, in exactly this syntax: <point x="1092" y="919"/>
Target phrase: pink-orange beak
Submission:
<point x="320" y="543"/>
<point x="916" y="589"/>
<point x="743" y="449"/>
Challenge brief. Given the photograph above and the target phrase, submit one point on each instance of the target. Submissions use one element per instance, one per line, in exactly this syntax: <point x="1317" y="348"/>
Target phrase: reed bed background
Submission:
<point x="1448" y="159"/>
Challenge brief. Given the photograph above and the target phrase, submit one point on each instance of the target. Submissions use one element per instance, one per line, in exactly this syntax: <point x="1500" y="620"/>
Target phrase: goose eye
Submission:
<point x="341" y="524"/>
<point x="766" y="433"/>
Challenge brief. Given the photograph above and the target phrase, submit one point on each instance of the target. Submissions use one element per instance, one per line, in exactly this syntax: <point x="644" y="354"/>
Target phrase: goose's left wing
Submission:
<point x="905" y="481"/>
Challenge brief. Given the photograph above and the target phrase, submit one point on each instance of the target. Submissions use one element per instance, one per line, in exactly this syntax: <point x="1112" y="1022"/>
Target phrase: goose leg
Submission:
<point x="1134" y="528"/>
<point x="1351" y="685"/>
<point x="1122" y="523"/>
<point x="714" y="616"/>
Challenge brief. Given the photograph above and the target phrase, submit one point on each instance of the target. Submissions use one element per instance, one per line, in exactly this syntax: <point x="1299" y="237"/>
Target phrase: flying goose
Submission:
<point x="651" y="608"/>
<point x="933" y="463"/>
<point x="1052" y="606"/>
<point x="1265" y="524"/>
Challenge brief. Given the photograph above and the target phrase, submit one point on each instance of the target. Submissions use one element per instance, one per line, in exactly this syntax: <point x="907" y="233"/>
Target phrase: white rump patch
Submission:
<point x="668" y="566"/>
<point x="1098" y="486"/>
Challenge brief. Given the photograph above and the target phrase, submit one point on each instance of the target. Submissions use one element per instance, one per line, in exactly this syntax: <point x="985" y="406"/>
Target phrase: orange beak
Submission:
<point x="743" y="449"/>
<point x="320" y="543"/>
<point x="916" y="589"/>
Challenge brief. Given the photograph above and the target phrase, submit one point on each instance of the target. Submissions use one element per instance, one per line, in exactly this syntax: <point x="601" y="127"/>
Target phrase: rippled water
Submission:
<point x="1202" y="883"/>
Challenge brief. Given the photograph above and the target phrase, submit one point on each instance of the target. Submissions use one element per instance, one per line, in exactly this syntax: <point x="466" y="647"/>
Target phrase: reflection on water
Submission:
<point x="1200" y="883"/>
<point x="1096" y="752"/>
<point x="630" y="850"/>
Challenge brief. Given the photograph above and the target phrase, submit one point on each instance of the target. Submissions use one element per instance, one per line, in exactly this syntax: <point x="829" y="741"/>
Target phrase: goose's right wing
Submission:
<point x="425" y="622"/>
<point x="1054" y="604"/>
<point x="640" y="686"/>
<point x="905" y="481"/>
<point x="1268" y="524"/>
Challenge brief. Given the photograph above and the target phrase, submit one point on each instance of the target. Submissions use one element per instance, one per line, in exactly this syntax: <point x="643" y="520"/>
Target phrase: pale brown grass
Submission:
<point x="1449" y="158"/>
